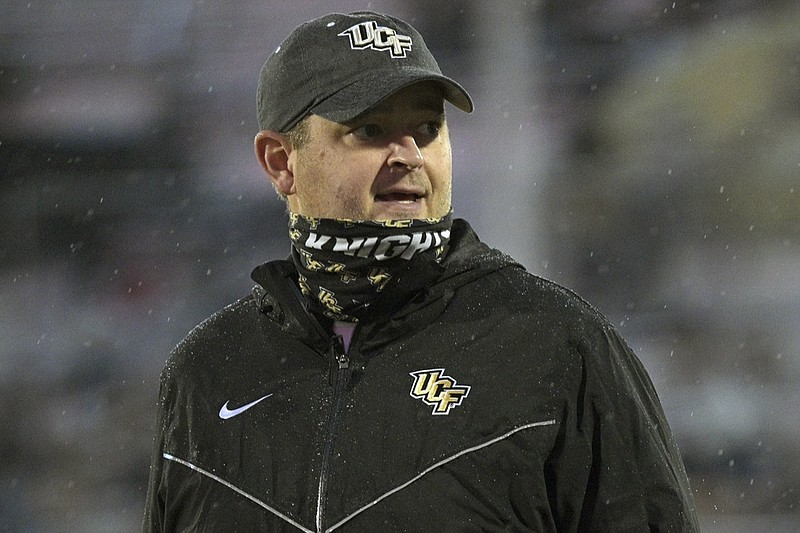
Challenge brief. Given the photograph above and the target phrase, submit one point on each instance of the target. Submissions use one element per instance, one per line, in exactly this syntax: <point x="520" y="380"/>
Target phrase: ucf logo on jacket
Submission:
<point x="437" y="390"/>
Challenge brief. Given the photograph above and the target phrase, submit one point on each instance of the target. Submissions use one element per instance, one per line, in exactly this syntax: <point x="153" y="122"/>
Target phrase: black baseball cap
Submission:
<point x="339" y="66"/>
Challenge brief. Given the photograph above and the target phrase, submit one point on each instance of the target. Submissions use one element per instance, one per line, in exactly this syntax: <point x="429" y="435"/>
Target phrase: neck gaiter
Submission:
<point x="348" y="268"/>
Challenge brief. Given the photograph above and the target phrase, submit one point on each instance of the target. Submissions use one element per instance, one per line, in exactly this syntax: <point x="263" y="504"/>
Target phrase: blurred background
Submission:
<point x="644" y="153"/>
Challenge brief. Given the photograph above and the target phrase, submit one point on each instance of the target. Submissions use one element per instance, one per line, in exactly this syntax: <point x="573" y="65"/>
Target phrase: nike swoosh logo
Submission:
<point x="225" y="413"/>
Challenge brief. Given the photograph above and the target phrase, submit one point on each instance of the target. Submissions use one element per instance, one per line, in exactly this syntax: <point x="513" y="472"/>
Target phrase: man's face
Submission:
<point x="393" y="162"/>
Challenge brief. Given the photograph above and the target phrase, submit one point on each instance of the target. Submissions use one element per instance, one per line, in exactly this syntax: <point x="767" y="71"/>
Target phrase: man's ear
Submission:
<point x="272" y="151"/>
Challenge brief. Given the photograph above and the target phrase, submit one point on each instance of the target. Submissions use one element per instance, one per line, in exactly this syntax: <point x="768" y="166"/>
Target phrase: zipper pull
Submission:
<point x="343" y="361"/>
<point x="336" y="350"/>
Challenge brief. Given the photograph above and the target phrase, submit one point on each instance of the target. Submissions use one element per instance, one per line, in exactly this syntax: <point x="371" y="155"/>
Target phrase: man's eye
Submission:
<point x="367" y="131"/>
<point x="430" y="128"/>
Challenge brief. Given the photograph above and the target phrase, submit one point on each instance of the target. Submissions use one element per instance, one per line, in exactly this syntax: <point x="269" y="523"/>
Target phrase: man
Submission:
<point x="395" y="373"/>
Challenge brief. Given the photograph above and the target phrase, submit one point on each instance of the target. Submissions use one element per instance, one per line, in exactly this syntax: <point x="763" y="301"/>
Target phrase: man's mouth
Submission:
<point x="398" y="197"/>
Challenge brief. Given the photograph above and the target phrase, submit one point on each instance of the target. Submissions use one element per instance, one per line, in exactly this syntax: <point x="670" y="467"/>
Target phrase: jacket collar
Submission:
<point x="468" y="259"/>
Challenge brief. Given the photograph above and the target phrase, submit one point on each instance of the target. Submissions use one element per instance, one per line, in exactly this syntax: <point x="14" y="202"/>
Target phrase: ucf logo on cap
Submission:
<point x="370" y="35"/>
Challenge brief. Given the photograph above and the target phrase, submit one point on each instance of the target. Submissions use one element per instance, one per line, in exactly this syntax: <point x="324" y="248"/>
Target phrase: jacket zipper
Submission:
<point x="341" y="378"/>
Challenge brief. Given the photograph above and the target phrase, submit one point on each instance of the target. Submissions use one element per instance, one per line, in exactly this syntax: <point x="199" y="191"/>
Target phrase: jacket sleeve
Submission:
<point x="154" y="504"/>
<point x="618" y="467"/>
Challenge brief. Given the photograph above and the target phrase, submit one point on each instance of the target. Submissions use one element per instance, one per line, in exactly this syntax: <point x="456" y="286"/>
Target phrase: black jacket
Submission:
<point x="493" y="401"/>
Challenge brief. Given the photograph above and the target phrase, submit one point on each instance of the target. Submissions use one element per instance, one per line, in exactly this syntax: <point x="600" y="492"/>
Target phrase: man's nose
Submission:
<point x="405" y="152"/>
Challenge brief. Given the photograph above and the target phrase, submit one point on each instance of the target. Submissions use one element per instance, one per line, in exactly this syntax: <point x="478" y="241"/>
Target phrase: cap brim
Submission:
<point x="365" y="93"/>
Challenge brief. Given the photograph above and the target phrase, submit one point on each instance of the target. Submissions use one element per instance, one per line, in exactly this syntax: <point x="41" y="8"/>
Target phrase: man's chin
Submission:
<point x="381" y="211"/>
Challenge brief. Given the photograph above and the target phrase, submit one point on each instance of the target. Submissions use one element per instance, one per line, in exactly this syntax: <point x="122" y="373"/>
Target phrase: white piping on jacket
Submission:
<point x="237" y="490"/>
<point x="375" y="501"/>
<point x="441" y="463"/>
